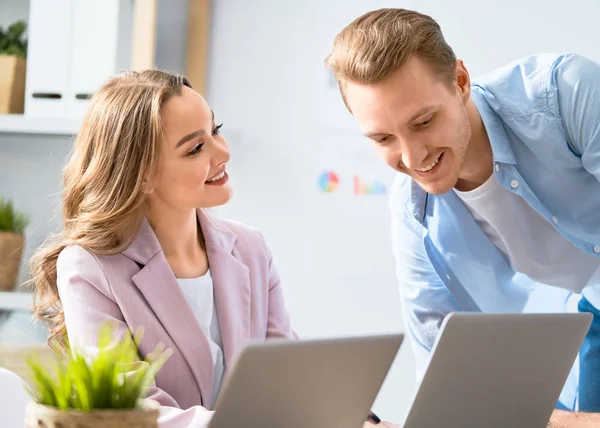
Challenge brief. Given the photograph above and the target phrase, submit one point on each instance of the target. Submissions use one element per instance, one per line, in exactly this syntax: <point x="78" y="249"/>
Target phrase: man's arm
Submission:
<point x="425" y="299"/>
<point x="576" y="82"/>
<point x="562" y="419"/>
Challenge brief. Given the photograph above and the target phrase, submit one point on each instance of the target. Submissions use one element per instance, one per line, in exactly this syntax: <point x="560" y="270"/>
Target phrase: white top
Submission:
<point x="531" y="243"/>
<point x="200" y="296"/>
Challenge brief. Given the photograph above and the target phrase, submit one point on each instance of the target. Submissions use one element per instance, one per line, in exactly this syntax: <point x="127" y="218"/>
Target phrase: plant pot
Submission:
<point x="11" y="249"/>
<point x="12" y="84"/>
<point x="40" y="416"/>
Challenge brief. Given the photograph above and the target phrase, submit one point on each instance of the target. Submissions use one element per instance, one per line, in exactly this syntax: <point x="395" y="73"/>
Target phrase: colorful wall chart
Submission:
<point x="329" y="181"/>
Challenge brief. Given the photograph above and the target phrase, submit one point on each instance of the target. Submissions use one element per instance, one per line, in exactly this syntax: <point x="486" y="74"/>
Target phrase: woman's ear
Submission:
<point x="147" y="187"/>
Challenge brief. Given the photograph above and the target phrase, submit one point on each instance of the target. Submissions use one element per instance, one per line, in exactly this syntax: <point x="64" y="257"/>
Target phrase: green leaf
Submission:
<point x="43" y="384"/>
<point x="11" y="220"/>
<point x="12" y="40"/>
<point x="64" y="386"/>
<point x="81" y="376"/>
<point x="116" y="378"/>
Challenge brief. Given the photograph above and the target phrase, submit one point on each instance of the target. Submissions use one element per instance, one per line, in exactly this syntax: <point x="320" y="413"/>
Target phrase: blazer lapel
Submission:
<point x="231" y="282"/>
<point x="159" y="286"/>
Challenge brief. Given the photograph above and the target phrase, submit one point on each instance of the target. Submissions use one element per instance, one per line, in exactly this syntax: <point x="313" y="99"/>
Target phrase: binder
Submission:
<point x="74" y="46"/>
<point x="48" y="57"/>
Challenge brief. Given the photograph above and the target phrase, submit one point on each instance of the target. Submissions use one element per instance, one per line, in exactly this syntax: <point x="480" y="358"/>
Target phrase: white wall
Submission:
<point x="286" y="124"/>
<point x="13" y="10"/>
<point x="488" y="34"/>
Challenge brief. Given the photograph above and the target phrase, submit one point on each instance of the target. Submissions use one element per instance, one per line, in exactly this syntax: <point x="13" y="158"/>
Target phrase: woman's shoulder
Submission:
<point x="86" y="269"/>
<point x="77" y="254"/>
<point x="80" y="261"/>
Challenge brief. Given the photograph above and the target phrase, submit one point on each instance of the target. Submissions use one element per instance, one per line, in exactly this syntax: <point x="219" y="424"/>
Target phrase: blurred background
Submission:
<point x="301" y="172"/>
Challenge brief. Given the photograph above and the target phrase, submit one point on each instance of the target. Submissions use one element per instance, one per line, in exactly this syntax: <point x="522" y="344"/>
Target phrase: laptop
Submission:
<point x="497" y="370"/>
<point x="320" y="383"/>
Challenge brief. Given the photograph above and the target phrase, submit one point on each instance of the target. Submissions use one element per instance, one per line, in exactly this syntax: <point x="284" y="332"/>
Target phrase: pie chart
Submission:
<point x="328" y="181"/>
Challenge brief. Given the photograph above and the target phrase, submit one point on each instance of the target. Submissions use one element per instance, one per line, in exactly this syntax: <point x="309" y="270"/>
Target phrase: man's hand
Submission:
<point x="380" y="425"/>
<point x="562" y="419"/>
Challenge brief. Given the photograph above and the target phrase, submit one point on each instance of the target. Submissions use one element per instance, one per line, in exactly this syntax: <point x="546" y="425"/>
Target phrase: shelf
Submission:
<point x="15" y="301"/>
<point x="20" y="124"/>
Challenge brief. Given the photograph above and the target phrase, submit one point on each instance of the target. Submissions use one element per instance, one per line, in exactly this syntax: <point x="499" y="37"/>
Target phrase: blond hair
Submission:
<point x="379" y="42"/>
<point x="116" y="152"/>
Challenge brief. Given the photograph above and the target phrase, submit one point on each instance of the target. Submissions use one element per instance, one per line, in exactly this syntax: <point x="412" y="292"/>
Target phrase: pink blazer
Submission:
<point x="137" y="288"/>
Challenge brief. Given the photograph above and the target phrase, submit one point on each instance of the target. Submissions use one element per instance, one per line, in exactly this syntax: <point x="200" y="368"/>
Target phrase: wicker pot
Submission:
<point x="40" y="416"/>
<point x="12" y="84"/>
<point x="11" y="249"/>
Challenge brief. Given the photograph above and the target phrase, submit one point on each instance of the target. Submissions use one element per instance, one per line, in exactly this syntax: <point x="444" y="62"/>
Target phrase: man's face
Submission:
<point x="417" y="121"/>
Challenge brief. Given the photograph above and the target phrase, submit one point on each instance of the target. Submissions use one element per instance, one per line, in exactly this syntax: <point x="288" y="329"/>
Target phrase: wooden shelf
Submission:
<point x="15" y="301"/>
<point x="20" y="124"/>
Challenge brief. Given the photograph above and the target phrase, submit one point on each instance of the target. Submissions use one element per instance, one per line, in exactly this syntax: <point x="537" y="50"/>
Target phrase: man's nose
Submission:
<point x="413" y="155"/>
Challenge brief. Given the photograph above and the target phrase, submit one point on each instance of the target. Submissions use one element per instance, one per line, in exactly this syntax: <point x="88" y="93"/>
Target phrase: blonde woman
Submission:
<point x="139" y="250"/>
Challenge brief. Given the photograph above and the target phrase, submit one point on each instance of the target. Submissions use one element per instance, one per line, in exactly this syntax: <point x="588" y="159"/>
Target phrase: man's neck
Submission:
<point x="479" y="159"/>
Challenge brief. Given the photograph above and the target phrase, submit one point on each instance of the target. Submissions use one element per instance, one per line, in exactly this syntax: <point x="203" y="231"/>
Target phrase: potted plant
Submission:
<point x="106" y="391"/>
<point x="12" y="240"/>
<point x="13" y="51"/>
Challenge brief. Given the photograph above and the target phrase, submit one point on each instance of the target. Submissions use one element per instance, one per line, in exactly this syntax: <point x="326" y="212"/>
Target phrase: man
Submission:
<point x="497" y="204"/>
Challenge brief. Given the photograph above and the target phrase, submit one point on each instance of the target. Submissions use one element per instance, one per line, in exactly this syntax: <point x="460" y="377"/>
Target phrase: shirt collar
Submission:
<point x="487" y="106"/>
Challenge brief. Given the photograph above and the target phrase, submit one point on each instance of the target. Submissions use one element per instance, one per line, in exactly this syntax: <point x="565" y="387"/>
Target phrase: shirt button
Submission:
<point x="497" y="167"/>
<point x="514" y="184"/>
<point x="554" y="220"/>
<point x="596" y="249"/>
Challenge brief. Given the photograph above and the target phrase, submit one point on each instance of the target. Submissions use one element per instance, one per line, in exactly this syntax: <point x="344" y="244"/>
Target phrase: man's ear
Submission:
<point x="462" y="80"/>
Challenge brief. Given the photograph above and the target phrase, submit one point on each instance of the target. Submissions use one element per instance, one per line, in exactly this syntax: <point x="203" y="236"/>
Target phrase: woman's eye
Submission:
<point x="217" y="129"/>
<point x="384" y="139"/>
<point x="195" y="150"/>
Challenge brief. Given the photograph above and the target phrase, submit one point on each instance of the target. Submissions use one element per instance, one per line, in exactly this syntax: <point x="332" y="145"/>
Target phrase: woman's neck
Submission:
<point x="180" y="237"/>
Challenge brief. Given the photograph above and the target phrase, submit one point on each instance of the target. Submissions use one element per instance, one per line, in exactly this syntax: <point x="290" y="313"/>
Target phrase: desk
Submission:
<point x="16" y="330"/>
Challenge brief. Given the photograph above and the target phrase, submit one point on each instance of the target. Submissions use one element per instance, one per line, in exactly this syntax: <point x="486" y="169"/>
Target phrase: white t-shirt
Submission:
<point x="531" y="244"/>
<point x="199" y="294"/>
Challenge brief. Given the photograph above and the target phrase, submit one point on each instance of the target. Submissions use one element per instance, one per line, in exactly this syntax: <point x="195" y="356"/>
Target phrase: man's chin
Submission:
<point x="437" y="188"/>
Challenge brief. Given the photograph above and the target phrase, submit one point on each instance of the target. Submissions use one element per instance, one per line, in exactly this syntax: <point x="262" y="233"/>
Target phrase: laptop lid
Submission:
<point x="497" y="370"/>
<point x="319" y="383"/>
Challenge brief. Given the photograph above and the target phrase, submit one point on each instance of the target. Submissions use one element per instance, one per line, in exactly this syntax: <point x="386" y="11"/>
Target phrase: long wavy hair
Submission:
<point x="115" y="154"/>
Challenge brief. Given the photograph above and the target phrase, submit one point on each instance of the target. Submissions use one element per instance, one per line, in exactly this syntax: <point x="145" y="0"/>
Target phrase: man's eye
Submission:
<point x="426" y="122"/>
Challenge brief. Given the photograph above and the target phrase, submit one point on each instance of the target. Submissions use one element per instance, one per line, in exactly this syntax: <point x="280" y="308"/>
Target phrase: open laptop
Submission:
<point x="497" y="370"/>
<point x="305" y="383"/>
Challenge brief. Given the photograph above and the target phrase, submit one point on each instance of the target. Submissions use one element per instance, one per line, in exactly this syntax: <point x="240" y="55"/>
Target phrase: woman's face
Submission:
<point x="191" y="171"/>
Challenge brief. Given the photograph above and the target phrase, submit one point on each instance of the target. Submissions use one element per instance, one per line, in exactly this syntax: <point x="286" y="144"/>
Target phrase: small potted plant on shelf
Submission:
<point x="12" y="240"/>
<point x="106" y="391"/>
<point x="13" y="51"/>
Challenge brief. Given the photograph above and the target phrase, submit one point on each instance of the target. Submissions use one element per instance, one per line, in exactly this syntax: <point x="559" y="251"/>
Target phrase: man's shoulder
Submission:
<point x="525" y="69"/>
<point x="522" y="87"/>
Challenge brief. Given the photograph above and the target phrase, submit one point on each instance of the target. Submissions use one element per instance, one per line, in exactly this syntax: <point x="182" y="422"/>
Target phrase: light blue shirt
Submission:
<point x="542" y="116"/>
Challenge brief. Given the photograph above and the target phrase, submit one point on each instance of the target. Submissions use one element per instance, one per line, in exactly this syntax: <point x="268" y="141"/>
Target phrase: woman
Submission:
<point x="139" y="250"/>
